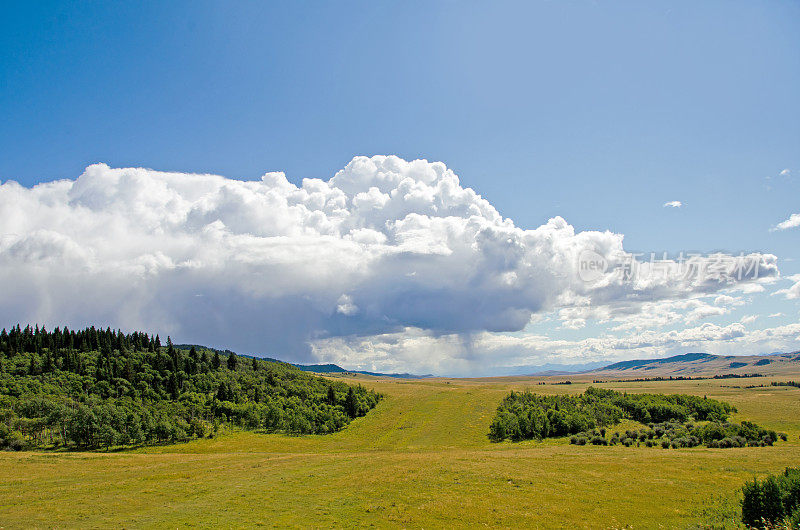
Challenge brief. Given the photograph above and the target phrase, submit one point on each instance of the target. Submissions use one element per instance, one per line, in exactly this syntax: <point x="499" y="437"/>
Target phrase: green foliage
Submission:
<point x="100" y="388"/>
<point x="524" y="415"/>
<point x="772" y="501"/>
<point x="538" y="416"/>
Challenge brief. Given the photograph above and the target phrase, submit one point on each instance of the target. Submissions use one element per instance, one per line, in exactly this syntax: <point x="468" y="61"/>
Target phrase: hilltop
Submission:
<point x="704" y="364"/>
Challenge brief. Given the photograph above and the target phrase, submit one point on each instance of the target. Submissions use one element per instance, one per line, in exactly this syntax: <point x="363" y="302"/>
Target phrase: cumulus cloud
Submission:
<point x="382" y="247"/>
<point x="673" y="204"/>
<point x="792" y="222"/>
<point x="785" y="172"/>
<point x="793" y="292"/>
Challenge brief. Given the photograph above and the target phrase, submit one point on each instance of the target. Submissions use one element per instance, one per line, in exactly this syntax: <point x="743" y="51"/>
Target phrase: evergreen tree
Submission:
<point x="48" y="362"/>
<point x="33" y="366"/>
<point x="232" y="361"/>
<point x="216" y="362"/>
<point x="351" y="403"/>
<point x="129" y="373"/>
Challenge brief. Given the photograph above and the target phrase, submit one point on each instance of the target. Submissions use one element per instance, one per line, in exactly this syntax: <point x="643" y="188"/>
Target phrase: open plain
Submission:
<point x="420" y="459"/>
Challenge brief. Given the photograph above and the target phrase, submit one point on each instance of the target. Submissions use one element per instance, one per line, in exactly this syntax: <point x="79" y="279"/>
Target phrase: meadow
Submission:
<point x="421" y="458"/>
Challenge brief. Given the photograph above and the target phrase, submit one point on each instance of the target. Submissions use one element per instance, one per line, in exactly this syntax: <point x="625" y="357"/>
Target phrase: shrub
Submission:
<point x="14" y="441"/>
<point x="674" y="418"/>
<point x="505" y="425"/>
<point x="772" y="501"/>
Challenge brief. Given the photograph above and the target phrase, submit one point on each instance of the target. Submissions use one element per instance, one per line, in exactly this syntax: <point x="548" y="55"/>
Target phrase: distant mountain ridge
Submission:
<point x="316" y="368"/>
<point x="705" y="364"/>
<point x="686" y="364"/>
<point x="335" y="368"/>
<point x="635" y="363"/>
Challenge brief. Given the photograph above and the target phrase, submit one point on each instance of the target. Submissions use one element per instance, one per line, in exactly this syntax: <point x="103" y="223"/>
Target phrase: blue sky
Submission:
<point x="597" y="112"/>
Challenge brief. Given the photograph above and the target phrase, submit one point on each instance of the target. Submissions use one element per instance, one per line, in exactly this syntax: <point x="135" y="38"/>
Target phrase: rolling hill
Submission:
<point x="704" y="364"/>
<point x="315" y="368"/>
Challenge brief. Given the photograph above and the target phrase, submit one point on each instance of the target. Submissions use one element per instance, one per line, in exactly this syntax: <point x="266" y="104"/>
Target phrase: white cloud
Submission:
<point x="775" y="315"/>
<point x="792" y="222"/>
<point x="384" y="246"/>
<point x="793" y="292"/>
<point x="748" y="319"/>
<point x="785" y="172"/>
<point x="673" y="204"/>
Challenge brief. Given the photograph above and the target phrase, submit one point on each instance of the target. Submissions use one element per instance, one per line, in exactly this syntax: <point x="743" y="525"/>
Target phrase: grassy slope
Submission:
<point x="420" y="459"/>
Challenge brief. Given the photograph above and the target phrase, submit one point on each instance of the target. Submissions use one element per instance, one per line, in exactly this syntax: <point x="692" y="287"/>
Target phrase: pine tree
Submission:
<point x="173" y="385"/>
<point x="255" y="364"/>
<point x="33" y="366"/>
<point x="173" y="354"/>
<point x="232" y="361"/>
<point x="351" y="403"/>
<point x="129" y="373"/>
<point x="48" y="362"/>
<point x="216" y="361"/>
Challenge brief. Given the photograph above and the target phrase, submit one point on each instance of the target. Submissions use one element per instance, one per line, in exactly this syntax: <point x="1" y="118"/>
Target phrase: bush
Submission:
<point x="541" y="416"/>
<point x="525" y="415"/>
<point x="505" y="425"/>
<point x="773" y="500"/>
<point x="13" y="441"/>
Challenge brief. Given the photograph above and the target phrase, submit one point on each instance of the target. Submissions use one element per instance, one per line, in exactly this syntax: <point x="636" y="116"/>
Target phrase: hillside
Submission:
<point x="704" y="364"/>
<point x="336" y="369"/>
<point x="315" y="368"/>
<point x="98" y="388"/>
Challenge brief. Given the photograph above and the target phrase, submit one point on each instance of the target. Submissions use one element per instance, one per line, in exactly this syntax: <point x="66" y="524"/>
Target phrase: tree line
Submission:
<point x="95" y="388"/>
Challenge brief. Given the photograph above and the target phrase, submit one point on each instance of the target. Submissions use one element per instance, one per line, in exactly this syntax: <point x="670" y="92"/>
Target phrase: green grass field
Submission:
<point x="420" y="459"/>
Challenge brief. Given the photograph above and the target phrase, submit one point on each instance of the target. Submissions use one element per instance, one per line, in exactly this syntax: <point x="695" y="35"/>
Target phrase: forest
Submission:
<point x="670" y="420"/>
<point x="96" y="388"/>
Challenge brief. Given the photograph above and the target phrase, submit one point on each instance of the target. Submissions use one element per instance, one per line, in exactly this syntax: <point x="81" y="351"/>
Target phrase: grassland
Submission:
<point x="420" y="459"/>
